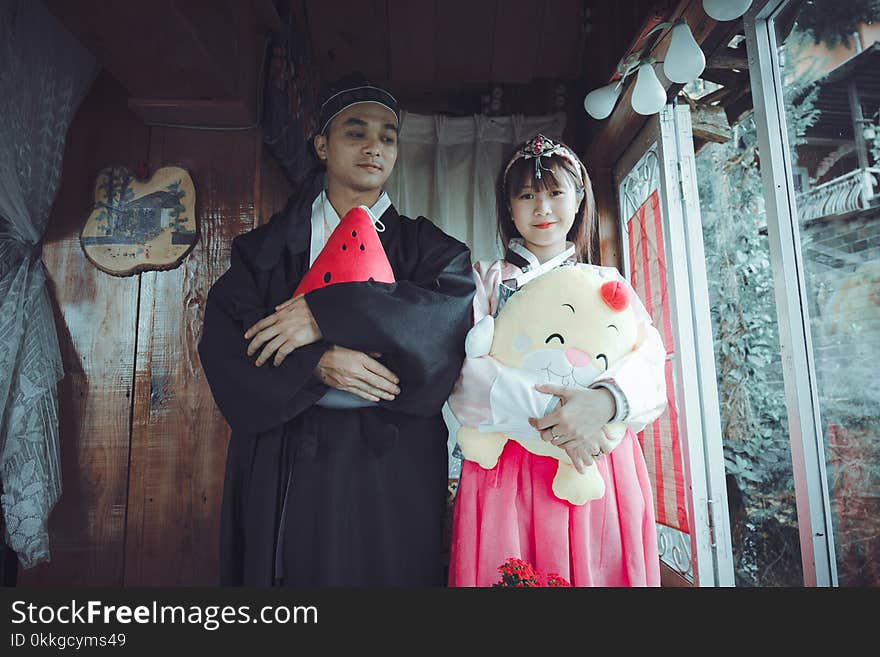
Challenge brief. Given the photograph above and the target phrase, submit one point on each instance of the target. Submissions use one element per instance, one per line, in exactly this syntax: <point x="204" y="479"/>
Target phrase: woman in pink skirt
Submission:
<point x="546" y="216"/>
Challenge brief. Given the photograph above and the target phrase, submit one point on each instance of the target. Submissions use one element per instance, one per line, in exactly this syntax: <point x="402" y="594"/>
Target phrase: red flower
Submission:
<point x="517" y="573"/>
<point x="557" y="580"/>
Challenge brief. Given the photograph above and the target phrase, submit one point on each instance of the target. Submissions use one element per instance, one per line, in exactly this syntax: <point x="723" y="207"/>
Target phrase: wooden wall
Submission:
<point x="143" y="446"/>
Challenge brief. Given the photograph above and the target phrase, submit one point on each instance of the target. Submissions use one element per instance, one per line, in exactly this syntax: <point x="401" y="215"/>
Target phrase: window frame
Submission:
<point x="812" y="492"/>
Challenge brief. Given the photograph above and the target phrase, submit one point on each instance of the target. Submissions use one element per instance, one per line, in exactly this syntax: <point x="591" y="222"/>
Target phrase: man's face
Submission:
<point x="360" y="147"/>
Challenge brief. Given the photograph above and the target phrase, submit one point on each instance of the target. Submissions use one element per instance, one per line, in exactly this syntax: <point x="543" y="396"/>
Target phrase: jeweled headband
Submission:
<point x="540" y="146"/>
<point x="365" y="93"/>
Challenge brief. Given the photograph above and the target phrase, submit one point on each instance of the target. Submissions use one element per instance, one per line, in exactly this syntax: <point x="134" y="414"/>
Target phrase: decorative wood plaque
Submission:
<point x="137" y="225"/>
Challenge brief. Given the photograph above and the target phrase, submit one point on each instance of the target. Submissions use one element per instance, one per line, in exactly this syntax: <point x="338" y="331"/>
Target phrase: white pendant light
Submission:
<point x="600" y="102"/>
<point x="684" y="60"/>
<point x="726" y="10"/>
<point x="648" y="95"/>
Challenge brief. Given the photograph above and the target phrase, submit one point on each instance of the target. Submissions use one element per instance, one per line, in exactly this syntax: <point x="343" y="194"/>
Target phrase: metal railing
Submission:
<point x="847" y="193"/>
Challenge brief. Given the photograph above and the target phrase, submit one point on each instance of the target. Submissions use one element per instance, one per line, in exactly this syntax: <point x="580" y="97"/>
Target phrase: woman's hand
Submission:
<point x="576" y="424"/>
<point x="290" y="327"/>
<point x="358" y="373"/>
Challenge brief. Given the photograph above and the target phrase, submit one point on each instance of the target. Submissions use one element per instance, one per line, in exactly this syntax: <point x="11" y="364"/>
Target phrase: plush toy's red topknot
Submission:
<point x="615" y="294"/>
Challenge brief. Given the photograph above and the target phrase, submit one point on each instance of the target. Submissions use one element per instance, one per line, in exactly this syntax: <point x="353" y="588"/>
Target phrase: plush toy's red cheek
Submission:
<point x="615" y="295"/>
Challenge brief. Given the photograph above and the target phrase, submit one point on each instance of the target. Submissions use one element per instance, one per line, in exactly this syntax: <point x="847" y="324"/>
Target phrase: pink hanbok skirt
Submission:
<point x="511" y="511"/>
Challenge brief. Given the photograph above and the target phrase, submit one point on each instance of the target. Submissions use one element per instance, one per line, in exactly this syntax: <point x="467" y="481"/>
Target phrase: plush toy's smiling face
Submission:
<point x="567" y="325"/>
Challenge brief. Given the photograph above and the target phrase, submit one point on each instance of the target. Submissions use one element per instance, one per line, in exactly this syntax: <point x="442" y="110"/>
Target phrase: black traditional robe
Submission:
<point x="359" y="493"/>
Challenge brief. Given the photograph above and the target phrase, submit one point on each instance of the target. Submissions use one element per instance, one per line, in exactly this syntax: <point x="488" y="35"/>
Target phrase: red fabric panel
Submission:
<point x="661" y="441"/>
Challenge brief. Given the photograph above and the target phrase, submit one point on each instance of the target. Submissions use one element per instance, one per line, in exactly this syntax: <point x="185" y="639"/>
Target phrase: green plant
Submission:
<point x="832" y="23"/>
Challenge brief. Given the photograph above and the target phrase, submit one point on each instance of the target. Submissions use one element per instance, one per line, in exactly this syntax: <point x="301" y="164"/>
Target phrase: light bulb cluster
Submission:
<point x="684" y="63"/>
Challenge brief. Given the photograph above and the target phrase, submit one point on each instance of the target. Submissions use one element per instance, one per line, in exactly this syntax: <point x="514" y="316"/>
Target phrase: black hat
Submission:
<point x="352" y="90"/>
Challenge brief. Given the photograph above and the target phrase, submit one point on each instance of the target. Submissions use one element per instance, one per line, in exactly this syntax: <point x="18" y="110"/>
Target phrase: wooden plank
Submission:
<point x="729" y="58"/>
<point x="723" y="77"/>
<point x="464" y="47"/>
<point x="608" y="217"/>
<point x="709" y="123"/>
<point x="557" y="54"/>
<point x="413" y="41"/>
<point x="130" y="39"/>
<point x="214" y="113"/>
<point x="178" y="446"/>
<point x="271" y="186"/>
<point x="350" y="37"/>
<point x="210" y="29"/>
<point x="738" y="108"/>
<point x="238" y="51"/>
<point x="514" y="51"/>
<point x="95" y="315"/>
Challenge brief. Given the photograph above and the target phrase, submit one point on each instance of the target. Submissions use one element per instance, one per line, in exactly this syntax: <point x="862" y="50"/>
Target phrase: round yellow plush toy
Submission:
<point x="566" y="327"/>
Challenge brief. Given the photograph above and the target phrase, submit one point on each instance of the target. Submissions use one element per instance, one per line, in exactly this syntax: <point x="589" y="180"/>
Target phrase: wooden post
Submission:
<point x="858" y="120"/>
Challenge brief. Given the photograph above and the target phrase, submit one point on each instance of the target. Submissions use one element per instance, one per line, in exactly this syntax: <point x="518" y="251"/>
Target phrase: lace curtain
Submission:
<point x="44" y="74"/>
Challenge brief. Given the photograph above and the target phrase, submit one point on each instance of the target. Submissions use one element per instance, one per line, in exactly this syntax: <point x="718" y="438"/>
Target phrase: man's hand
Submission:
<point x="358" y="373"/>
<point x="576" y="424"/>
<point x="290" y="327"/>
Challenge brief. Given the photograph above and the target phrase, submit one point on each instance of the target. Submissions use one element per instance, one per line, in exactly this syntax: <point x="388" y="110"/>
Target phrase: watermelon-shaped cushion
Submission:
<point x="353" y="253"/>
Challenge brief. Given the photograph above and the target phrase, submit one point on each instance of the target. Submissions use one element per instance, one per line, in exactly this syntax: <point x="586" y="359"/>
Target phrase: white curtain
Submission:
<point x="447" y="168"/>
<point x="44" y="74"/>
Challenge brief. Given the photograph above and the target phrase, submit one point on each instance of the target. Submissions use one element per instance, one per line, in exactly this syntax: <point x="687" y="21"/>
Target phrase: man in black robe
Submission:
<point x="336" y="470"/>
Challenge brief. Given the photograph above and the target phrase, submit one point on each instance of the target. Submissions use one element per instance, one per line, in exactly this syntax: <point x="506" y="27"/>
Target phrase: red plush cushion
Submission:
<point x="352" y="254"/>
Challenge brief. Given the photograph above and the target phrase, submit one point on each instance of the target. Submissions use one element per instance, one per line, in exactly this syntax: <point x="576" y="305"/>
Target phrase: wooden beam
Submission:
<point x="212" y="113"/>
<point x="729" y="59"/>
<point x="724" y="77"/>
<point x="737" y="109"/>
<point x="709" y="122"/>
<point x="718" y="95"/>
<point x="642" y="42"/>
<point x="608" y="217"/>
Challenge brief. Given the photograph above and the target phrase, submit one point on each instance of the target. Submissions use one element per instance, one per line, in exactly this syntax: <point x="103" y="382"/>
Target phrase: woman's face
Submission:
<point x="544" y="217"/>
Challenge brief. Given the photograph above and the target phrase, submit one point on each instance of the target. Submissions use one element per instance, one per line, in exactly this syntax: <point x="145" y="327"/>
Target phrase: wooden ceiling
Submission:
<point x="182" y="61"/>
<point x="441" y="55"/>
<point x="199" y="61"/>
<point x="196" y="59"/>
<point x="425" y="48"/>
